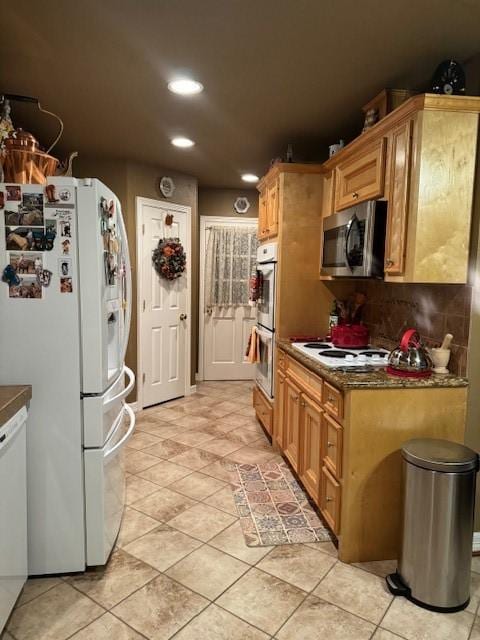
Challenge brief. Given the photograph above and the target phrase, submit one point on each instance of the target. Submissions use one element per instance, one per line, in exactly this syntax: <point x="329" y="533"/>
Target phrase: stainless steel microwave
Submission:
<point x="354" y="241"/>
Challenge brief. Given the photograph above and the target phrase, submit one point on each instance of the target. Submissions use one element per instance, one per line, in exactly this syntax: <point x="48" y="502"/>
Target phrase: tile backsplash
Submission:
<point x="432" y="309"/>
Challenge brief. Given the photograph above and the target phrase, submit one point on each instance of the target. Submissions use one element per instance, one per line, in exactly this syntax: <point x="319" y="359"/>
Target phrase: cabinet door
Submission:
<point x="330" y="495"/>
<point x="272" y="210"/>
<point x="327" y="194"/>
<point x="311" y="447"/>
<point x="398" y="194"/>
<point x="279" y="413"/>
<point x="361" y="177"/>
<point x="262" y="215"/>
<point x="292" y="423"/>
<point x="332" y="435"/>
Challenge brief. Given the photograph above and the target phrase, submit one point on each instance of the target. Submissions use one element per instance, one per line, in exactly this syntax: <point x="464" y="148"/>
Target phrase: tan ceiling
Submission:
<point x="275" y="71"/>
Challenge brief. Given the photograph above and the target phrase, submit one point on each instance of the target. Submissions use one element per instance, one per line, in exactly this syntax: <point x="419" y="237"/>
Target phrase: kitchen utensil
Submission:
<point x="350" y="335"/>
<point x="447" y="341"/>
<point x="440" y="359"/>
<point x="410" y="359"/>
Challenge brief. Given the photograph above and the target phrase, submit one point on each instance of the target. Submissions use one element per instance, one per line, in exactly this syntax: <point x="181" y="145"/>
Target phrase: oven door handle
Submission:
<point x="350" y="224"/>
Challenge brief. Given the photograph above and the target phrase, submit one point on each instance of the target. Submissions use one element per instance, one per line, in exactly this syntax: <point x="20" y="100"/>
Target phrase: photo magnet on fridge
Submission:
<point x="28" y="288"/>
<point x="66" y="247"/>
<point x="26" y="263"/>
<point x="14" y="193"/>
<point x="65" y="267"/>
<point x="25" y="217"/>
<point x="24" y="238"/>
<point x="66" y="285"/>
<point x="65" y="228"/>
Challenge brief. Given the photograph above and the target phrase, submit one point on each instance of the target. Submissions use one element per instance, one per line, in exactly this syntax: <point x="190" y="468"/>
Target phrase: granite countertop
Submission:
<point x="378" y="379"/>
<point x="13" y="398"/>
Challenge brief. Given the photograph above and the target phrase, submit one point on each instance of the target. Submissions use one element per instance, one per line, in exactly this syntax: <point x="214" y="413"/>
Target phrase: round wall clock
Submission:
<point x="449" y="78"/>
<point x="166" y="186"/>
<point x="241" y="204"/>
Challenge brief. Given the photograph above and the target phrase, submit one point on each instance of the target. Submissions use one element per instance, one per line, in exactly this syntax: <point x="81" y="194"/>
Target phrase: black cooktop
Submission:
<point x="317" y="345"/>
<point x="335" y="353"/>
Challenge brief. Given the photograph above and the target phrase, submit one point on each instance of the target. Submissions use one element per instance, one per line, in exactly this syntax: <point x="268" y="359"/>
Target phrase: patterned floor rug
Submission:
<point x="272" y="506"/>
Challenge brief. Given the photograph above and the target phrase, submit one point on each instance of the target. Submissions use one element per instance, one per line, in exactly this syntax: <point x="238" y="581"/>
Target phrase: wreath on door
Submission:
<point x="169" y="258"/>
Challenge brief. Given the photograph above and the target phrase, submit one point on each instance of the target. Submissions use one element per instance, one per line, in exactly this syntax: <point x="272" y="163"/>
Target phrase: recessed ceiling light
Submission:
<point x="185" y="86"/>
<point x="250" y="177"/>
<point x="183" y="143"/>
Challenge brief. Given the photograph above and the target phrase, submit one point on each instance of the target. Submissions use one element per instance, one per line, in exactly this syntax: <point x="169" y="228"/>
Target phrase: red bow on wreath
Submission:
<point x="169" y="258"/>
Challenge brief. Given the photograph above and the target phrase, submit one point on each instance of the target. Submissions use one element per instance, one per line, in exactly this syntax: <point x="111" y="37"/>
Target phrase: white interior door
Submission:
<point x="163" y="306"/>
<point x="224" y="331"/>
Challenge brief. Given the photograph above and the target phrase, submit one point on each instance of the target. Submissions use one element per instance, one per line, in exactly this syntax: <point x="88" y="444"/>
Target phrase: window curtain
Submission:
<point x="230" y="261"/>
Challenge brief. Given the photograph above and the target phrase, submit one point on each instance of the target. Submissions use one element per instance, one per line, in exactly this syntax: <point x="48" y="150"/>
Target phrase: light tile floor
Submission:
<point x="181" y="568"/>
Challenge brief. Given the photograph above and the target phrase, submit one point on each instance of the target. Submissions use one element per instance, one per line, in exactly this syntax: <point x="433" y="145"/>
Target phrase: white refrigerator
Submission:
<point x="65" y="306"/>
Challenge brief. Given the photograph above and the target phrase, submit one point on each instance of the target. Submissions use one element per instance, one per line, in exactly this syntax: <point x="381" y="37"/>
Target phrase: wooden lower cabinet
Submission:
<point x="263" y="410"/>
<point x="330" y="500"/>
<point x="292" y="423"/>
<point x="345" y="447"/>
<point x="311" y="446"/>
<point x="278" y="416"/>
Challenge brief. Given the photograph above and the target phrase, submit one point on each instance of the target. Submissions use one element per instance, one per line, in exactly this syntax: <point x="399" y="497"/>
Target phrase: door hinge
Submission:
<point x="143" y="229"/>
<point x="143" y="377"/>
<point x="144" y="305"/>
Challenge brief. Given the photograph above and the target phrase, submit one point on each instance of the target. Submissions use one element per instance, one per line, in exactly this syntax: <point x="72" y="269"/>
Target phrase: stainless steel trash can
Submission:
<point x="438" y="505"/>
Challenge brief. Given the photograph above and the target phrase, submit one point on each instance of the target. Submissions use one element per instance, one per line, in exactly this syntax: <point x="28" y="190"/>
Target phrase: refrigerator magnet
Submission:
<point x="2" y="200"/>
<point x="44" y="277"/>
<point x="66" y="247"/>
<point x="51" y="193"/>
<point x="14" y="192"/>
<point x="65" y="267"/>
<point x="66" y="285"/>
<point x="65" y="228"/>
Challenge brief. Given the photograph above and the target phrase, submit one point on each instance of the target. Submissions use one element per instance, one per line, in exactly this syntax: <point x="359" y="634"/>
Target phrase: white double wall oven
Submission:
<point x="267" y="268"/>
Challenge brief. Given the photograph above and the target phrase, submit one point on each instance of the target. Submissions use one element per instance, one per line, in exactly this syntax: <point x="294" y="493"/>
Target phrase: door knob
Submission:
<point x="183" y="316"/>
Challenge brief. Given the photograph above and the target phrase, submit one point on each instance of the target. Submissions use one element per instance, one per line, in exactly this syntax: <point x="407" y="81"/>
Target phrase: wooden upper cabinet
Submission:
<point x="311" y="449"/>
<point x="268" y="210"/>
<point x="400" y="151"/>
<point x="272" y="209"/>
<point x="328" y="194"/>
<point x="262" y="215"/>
<point x="292" y="423"/>
<point x="361" y="176"/>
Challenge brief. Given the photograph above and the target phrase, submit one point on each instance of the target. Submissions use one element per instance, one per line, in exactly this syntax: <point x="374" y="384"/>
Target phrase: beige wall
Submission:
<point x="219" y="202"/>
<point x="129" y="180"/>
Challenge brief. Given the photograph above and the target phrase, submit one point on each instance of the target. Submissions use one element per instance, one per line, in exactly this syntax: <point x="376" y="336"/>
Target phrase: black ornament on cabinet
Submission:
<point x="449" y="79"/>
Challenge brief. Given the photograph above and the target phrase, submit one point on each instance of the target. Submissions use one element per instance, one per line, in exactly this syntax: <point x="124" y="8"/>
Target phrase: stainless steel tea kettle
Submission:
<point x="410" y="359"/>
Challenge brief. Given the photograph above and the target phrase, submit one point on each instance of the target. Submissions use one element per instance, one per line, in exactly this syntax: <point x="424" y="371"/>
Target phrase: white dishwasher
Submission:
<point x="13" y="512"/>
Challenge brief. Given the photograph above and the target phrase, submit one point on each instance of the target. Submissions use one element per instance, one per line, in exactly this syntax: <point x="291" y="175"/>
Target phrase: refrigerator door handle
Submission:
<point x="113" y="451"/>
<point x="124" y="392"/>
<point x="128" y="270"/>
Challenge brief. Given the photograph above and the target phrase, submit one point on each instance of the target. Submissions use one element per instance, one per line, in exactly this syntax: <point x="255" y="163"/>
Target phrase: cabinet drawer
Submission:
<point x="332" y="401"/>
<point x="263" y="409"/>
<point x="361" y="177"/>
<point x="333" y="445"/>
<point x="310" y="383"/>
<point x="330" y="500"/>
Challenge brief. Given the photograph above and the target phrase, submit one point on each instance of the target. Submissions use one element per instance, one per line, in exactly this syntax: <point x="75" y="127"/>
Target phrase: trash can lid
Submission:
<point x="440" y="455"/>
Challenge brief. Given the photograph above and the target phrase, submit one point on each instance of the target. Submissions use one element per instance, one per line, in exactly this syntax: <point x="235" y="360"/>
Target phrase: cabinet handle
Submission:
<point x="303" y="403"/>
<point x="389" y="262"/>
<point x="328" y="499"/>
<point x="354" y="195"/>
<point x="281" y="381"/>
<point x="330" y="445"/>
<point x="330" y="399"/>
<point x="295" y="398"/>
